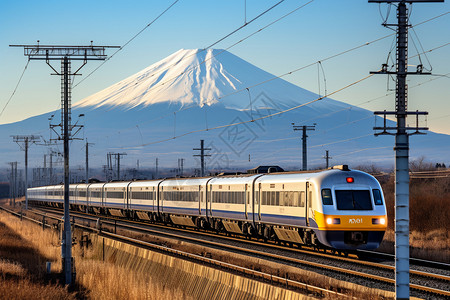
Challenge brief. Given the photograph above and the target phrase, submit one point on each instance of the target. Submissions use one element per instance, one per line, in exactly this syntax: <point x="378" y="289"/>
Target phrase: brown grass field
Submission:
<point x="429" y="218"/>
<point x="24" y="252"/>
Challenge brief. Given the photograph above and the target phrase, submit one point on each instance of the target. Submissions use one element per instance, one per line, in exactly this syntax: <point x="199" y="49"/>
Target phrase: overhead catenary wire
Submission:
<point x="245" y="24"/>
<point x="15" y="89"/>
<point x="356" y="151"/>
<point x="263" y="117"/>
<point x="129" y="41"/>
<point x="193" y="105"/>
<point x="206" y="48"/>
<point x="349" y="108"/>
<point x="222" y="51"/>
<point x="207" y="129"/>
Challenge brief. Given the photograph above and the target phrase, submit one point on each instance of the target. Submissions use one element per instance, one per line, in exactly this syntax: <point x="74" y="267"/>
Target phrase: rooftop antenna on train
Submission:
<point x="401" y="143"/>
<point x="65" y="54"/>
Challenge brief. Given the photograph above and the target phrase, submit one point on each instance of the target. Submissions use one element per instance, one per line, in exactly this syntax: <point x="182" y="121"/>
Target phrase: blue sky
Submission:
<point x="320" y="29"/>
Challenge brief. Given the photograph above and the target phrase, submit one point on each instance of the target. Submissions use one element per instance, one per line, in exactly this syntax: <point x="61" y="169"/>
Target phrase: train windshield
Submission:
<point x="353" y="200"/>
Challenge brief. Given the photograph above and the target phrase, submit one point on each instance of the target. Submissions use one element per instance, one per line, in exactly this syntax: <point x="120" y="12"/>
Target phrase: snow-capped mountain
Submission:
<point x="165" y="109"/>
<point x="202" y="77"/>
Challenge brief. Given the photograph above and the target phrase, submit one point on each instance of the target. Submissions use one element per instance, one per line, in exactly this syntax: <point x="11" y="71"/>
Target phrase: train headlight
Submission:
<point x="333" y="221"/>
<point x="380" y="221"/>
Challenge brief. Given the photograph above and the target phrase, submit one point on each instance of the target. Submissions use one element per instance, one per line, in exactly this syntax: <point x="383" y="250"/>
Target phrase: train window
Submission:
<point x="310" y="199"/>
<point x="377" y="197"/>
<point x="115" y="195"/>
<point x="326" y="197"/>
<point x="353" y="200"/>
<point x="142" y="195"/>
<point x="95" y="194"/>
<point x="302" y="199"/>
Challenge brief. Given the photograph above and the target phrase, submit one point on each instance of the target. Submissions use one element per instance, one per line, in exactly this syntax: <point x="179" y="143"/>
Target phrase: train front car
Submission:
<point x="351" y="212"/>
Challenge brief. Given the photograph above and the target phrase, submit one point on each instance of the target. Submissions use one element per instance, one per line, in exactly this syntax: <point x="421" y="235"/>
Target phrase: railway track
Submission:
<point x="352" y="268"/>
<point x="254" y="274"/>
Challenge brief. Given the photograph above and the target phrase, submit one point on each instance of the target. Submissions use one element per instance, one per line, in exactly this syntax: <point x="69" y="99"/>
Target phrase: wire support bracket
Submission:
<point x="385" y="130"/>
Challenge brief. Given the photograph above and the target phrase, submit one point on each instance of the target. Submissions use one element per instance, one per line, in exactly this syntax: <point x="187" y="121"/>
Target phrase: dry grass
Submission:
<point x="24" y="250"/>
<point x="22" y="265"/>
<point x="109" y="281"/>
<point x="278" y="269"/>
<point x="429" y="218"/>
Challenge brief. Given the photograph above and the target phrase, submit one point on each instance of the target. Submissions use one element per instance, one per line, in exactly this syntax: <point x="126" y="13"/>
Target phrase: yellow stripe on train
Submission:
<point x="350" y="222"/>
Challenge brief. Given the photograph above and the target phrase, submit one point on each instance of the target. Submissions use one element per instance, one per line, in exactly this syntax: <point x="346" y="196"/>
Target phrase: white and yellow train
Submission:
<point x="338" y="208"/>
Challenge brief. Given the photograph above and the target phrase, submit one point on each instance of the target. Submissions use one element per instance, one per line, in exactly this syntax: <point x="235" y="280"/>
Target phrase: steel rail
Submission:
<point x="415" y="261"/>
<point x="319" y="254"/>
<point x="271" y="245"/>
<point x="135" y="227"/>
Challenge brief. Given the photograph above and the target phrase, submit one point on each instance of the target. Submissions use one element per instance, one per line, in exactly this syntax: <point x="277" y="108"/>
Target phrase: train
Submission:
<point x="337" y="208"/>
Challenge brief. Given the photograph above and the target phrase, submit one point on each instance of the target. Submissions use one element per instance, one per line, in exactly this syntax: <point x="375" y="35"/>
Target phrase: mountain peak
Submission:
<point x="186" y="76"/>
<point x="197" y="76"/>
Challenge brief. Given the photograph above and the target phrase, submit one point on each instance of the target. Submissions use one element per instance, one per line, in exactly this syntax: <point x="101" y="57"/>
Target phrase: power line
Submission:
<point x="340" y="141"/>
<point x="245" y="24"/>
<point x="221" y="39"/>
<point x="129" y="41"/>
<point x="288" y="73"/>
<point x="263" y="117"/>
<point x="15" y="89"/>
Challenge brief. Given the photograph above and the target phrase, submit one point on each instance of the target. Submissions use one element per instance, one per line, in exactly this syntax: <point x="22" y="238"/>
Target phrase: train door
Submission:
<point x="160" y="200"/>
<point x="307" y="201"/>
<point x="153" y="199"/>
<point x="200" y="199"/>
<point x="258" y="200"/>
<point x="246" y="201"/>
<point x="209" y="200"/>
<point x="249" y="202"/>
<point x="128" y="196"/>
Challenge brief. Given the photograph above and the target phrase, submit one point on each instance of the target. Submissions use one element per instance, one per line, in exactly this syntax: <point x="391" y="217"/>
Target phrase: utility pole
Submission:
<point x="327" y="159"/>
<point x="117" y="157"/>
<point x="13" y="183"/>
<point x="24" y="142"/>
<point x="87" y="160"/>
<point x="16" y="189"/>
<point x="401" y="143"/>
<point x="65" y="54"/>
<point x="52" y="153"/>
<point x="304" y="128"/>
<point x="156" y="168"/>
<point x="202" y="156"/>
<point x="180" y="166"/>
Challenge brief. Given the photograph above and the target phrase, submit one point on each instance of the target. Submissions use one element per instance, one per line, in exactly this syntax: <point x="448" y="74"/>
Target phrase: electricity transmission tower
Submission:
<point x="65" y="54"/>
<point x="24" y="142"/>
<point x="304" y="128"/>
<point x="401" y="143"/>
<point x="202" y="156"/>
